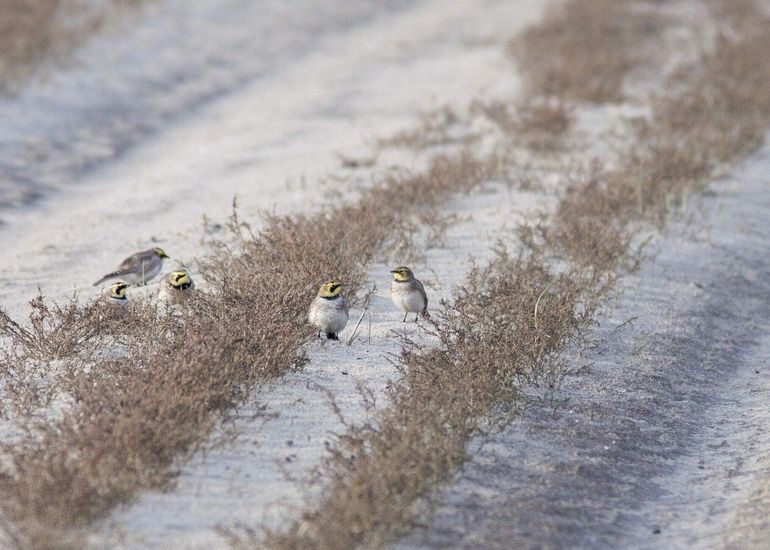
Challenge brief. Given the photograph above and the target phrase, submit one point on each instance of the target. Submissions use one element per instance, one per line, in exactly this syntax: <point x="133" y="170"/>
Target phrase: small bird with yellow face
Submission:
<point x="116" y="294"/>
<point x="176" y="287"/>
<point x="138" y="268"/>
<point x="407" y="293"/>
<point x="329" y="311"/>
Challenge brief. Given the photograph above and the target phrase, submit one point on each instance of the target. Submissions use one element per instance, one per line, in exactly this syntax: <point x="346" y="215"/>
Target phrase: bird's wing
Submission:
<point x="130" y="265"/>
<point x="132" y="262"/>
<point x="424" y="294"/>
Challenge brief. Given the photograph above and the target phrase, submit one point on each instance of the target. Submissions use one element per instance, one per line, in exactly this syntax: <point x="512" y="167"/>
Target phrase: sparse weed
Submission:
<point x="583" y="49"/>
<point x="435" y="129"/>
<point x="35" y="31"/>
<point x="537" y="124"/>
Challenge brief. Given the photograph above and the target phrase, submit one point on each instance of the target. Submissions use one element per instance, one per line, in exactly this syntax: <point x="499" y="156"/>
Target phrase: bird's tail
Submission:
<point x="108" y="276"/>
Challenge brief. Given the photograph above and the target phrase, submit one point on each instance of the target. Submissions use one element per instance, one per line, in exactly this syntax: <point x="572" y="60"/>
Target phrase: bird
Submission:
<point x="329" y="310"/>
<point x="407" y="293"/>
<point x="116" y="294"/>
<point x="138" y="268"/>
<point x="176" y="287"/>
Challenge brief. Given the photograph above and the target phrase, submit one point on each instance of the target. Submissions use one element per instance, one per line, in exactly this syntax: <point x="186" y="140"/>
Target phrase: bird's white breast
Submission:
<point x="329" y="315"/>
<point x="405" y="298"/>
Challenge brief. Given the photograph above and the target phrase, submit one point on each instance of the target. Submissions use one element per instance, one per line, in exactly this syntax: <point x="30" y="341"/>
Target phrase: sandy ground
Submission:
<point x="146" y="72"/>
<point x="662" y="439"/>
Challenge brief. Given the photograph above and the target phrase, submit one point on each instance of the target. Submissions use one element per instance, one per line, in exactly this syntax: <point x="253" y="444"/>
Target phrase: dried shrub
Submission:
<point x="541" y="125"/>
<point x="437" y="127"/>
<point x="26" y="32"/>
<point x="583" y="49"/>
<point x="33" y="31"/>
<point x="725" y="109"/>
<point x="54" y="331"/>
<point x="538" y="124"/>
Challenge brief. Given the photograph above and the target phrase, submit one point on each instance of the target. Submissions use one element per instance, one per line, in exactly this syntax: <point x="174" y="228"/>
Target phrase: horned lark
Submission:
<point x="176" y="287"/>
<point x="329" y="311"/>
<point x="138" y="268"/>
<point x="116" y="294"/>
<point x="408" y="293"/>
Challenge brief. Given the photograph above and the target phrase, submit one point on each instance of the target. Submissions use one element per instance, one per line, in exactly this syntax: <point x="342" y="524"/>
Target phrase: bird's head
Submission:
<point x="402" y="274"/>
<point x="118" y="290"/>
<point x="330" y="289"/>
<point x="179" y="279"/>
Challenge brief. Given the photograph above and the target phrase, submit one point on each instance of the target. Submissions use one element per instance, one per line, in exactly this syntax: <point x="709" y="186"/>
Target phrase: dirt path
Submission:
<point x="662" y="440"/>
<point x="137" y="79"/>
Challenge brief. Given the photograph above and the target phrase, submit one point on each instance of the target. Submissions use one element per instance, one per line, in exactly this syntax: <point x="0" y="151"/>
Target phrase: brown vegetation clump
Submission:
<point x="725" y="109"/>
<point x="542" y="124"/>
<point x="32" y="31"/>
<point x="53" y="331"/>
<point x="438" y="127"/>
<point x="144" y="387"/>
<point x="537" y="124"/>
<point x="26" y="31"/>
<point x="583" y="49"/>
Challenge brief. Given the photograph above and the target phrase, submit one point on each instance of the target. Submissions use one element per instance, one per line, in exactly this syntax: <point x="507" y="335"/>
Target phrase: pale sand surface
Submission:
<point x="145" y="70"/>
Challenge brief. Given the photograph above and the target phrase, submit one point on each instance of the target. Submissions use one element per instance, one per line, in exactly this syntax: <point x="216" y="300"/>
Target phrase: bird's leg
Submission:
<point x="416" y="316"/>
<point x="404" y="319"/>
